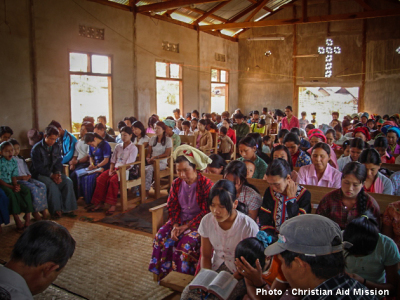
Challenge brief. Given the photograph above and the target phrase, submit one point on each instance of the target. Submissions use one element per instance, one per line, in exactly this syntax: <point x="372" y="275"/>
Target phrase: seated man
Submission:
<point x="67" y="142"/>
<point x="100" y="129"/>
<point x="38" y="257"/>
<point x="103" y="120"/>
<point x="310" y="248"/>
<point x="46" y="167"/>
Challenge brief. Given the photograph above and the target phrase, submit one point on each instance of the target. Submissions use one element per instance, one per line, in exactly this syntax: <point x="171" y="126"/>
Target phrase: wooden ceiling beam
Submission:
<point x="211" y="11"/>
<point x="256" y="10"/>
<point x="202" y="12"/>
<point x="304" y="10"/>
<point x="171" y="4"/>
<point x="266" y="8"/>
<point x="241" y="14"/>
<point x="314" y="19"/>
<point x="364" y="5"/>
<point x="167" y="19"/>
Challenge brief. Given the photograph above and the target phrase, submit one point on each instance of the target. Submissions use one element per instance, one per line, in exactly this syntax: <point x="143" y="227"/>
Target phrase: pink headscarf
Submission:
<point x="318" y="133"/>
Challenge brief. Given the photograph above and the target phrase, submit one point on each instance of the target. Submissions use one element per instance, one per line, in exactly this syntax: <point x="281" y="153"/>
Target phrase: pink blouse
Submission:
<point x="332" y="178"/>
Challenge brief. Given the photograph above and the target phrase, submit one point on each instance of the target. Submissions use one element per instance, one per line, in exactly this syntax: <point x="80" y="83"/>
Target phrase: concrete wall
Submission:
<point x="268" y="81"/>
<point x="134" y="44"/>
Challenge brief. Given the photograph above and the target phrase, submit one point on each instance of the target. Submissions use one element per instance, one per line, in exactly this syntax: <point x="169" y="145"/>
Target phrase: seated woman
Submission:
<point x="281" y="151"/>
<point x="176" y="140"/>
<point x="19" y="195"/>
<point x="99" y="153"/>
<point x="381" y="145"/>
<point x="120" y="125"/>
<point x="221" y="231"/>
<point x="231" y="133"/>
<point x="283" y="199"/>
<point x="376" y="182"/>
<point x="392" y="135"/>
<point x="217" y="166"/>
<point x="203" y="137"/>
<point x="357" y="146"/>
<point x="259" y="270"/>
<point x="298" y="156"/>
<point x="350" y="201"/>
<point x="139" y="136"/>
<point x="258" y="127"/>
<point x="245" y="192"/>
<point x="37" y="188"/>
<point x="391" y="222"/>
<point x="320" y="172"/>
<point x="330" y="135"/>
<point x="248" y="150"/>
<point x="107" y="184"/>
<point x="151" y="123"/>
<point x="339" y="137"/>
<point x="362" y="133"/>
<point x="4" y="214"/>
<point x="317" y="136"/>
<point x="259" y="144"/>
<point x="281" y="135"/>
<point x="373" y="258"/>
<point x="160" y="146"/>
<point x="176" y="245"/>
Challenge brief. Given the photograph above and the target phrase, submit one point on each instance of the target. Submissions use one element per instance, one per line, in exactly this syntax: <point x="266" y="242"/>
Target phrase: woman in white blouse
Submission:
<point x="139" y="134"/>
<point x="221" y="230"/>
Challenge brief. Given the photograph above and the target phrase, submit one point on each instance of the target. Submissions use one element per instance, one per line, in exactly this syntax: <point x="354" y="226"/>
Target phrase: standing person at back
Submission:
<point x="303" y="121"/>
<point x="225" y="144"/>
<point x="290" y="120"/>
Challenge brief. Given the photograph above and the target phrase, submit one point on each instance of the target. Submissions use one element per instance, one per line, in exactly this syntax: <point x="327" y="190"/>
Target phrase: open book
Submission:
<point x="219" y="284"/>
<point x="86" y="171"/>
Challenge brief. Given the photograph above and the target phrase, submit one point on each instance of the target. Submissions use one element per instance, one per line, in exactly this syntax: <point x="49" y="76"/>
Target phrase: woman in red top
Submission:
<point x="231" y="133"/>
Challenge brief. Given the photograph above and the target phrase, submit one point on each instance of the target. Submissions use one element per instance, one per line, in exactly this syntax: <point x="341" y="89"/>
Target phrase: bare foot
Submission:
<point x="58" y="213"/>
<point x="45" y="214"/>
<point x="110" y="211"/>
<point x="27" y="219"/>
<point x="37" y="216"/>
<point x="18" y="222"/>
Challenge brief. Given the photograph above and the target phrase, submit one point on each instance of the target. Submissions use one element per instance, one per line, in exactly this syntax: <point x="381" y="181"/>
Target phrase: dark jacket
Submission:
<point x="45" y="162"/>
<point x="270" y="207"/>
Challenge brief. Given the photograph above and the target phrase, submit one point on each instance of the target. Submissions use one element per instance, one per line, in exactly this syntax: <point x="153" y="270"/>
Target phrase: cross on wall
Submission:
<point x="329" y="50"/>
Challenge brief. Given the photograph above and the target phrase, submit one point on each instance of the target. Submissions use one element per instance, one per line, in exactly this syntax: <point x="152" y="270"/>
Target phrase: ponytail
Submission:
<point x="362" y="199"/>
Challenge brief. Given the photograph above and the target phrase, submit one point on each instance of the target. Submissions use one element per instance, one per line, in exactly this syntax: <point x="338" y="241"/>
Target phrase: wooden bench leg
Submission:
<point x="157" y="220"/>
<point x="155" y="277"/>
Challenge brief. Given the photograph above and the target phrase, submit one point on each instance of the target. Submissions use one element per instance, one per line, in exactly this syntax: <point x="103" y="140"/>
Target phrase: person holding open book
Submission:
<point x="176" y="245"/>
<point x="221" y="231"/>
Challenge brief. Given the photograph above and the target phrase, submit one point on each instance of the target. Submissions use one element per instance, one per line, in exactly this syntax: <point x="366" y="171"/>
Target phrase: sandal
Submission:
<point x="93" y="209"/>
<point x="110" y="212"/>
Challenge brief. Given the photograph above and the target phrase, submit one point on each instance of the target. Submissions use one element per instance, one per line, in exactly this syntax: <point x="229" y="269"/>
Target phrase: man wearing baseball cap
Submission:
<point x="310" y="248"/>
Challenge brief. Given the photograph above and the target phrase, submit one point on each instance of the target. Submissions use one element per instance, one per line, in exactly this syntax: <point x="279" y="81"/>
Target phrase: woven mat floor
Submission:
<point x="107" y="264"/>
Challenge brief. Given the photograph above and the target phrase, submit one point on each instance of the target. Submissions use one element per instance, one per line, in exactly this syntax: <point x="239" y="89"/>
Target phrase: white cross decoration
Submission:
<point x="398" y="50"/>
<point x="329" y="50"/>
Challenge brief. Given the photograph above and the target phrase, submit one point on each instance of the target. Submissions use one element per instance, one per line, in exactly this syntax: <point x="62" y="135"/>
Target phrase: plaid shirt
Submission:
<point x="337" y="284"/>
<point x="203" y="188"/>
<point x="331" y="206"/>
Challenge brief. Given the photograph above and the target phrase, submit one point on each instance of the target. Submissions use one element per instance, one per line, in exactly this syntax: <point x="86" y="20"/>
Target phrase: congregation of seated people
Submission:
<point x="218" y="218"/>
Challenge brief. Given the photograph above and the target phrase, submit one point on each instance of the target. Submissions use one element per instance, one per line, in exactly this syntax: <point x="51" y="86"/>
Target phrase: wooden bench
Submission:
<point x="391" y="167"/>
<point x="176" y="281"/>
<point x="159" y="174"/>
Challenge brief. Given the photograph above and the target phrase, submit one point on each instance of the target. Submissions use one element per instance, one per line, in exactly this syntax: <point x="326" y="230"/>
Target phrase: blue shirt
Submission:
<point x="68" y="146"/>
<point x="102" y="151"/>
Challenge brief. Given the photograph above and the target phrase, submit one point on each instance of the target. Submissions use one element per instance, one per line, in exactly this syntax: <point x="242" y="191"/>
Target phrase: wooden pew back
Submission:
<point x="391" y="167"/>
<point x="188" y="139"/>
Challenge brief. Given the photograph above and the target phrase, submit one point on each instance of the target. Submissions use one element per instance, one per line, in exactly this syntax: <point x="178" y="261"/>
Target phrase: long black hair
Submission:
<point x="360" y="172"/>
<point x="259" y="143"/>
<point x="363" y="234"/>
<point x="370" y="156"/>
<point x="238" y="170"/>
<point x="226" y="192"/>
<point x="278" y="167"/>
<point x="282" y="147"/>
<point x="217" y="162"/>
<point x="164" y="137"/>
<point x="251" y="249"/>
<point x="323" y="146"/>
<point x="381" y="141"/>
<point x="89" y="137"/>
<point x="358" y="143"/>
<point x="140" y="126"/>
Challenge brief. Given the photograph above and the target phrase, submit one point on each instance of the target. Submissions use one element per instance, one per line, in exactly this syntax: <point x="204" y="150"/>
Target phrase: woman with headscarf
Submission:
<point x="176" y="140"/>
<point x="362" y="133"/>
<point x="392" y="135"/>
<point x="316" y="136"/>
<point x="176" y="245"/>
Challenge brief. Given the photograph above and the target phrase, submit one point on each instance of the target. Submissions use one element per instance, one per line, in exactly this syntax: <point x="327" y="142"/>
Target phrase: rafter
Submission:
<point x="202" y="12"/>
<point x="256" y="10"/>
<point x="266" y="8"/>
<point x="304" y="10"/>
<point x="364" y="5"/>
<point x="243" y="13"/>
<point x="171" y="4"/>
<point x="211" y="11"/>
<point x="316" y="19"/>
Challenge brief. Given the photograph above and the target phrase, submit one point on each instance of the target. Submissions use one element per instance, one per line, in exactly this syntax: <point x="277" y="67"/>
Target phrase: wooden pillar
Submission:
<point x="135" y="75"/>
<point x="33" y="69"/>
<point x="295" y="104"/>
<point x="361" y="95"/>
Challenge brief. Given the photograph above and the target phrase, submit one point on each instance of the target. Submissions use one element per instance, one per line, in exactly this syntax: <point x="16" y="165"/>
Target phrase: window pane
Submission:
<point x="174" y="71"/>
<point x="100" y="64"/>
<point x="214" y="75"/>
<point x="218" y="97"/>
<point x="78" y="62"/>
<point x="168" y="95"/>
<point x="161" y="69"/>
<point x="89" y="97"/>
<point x="224" y="76"/>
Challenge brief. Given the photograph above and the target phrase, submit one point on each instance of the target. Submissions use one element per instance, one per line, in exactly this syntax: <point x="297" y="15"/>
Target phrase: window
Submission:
<point x="219" y="90"/>
<point x="325" y="100"/>
<point x="90" y="84"/>
<point x="169" y="88"/>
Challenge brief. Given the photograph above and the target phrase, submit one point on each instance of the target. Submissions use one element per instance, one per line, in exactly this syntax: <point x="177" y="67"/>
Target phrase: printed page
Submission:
<point x="223" y="285"/>
<point x="203" y="279"/>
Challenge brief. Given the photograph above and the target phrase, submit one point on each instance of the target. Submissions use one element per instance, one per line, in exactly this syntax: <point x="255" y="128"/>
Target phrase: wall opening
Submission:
<point x="219" y="90"/>
<point x="325" y="100"/>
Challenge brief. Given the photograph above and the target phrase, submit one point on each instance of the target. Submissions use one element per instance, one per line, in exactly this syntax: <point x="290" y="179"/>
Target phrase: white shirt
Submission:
<point x="343" y="161"/>
<point x="81" y="149"/>
<point x="142" y="140"/>
<point x="123" y="156"/>
<point x="14" y="284"/>
<point x="22" y="167"/>
<point x="224" y="242"/>
<point x="159" y="149"/>
<point x="341" y="140"/>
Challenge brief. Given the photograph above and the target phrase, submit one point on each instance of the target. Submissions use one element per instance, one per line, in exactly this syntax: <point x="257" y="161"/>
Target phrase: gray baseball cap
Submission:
<point x="308" y="234"/>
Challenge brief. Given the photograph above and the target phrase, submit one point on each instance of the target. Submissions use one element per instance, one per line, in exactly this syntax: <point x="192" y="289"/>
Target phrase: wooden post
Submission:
<point x="33" y="70"/>
<point x="361" y="96"/>
<point x="123" y="188"/>
<point x="295" y="104"/>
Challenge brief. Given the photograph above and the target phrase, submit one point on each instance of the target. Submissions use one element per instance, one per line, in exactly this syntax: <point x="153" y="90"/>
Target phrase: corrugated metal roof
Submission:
<point x="124" y="2"/>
